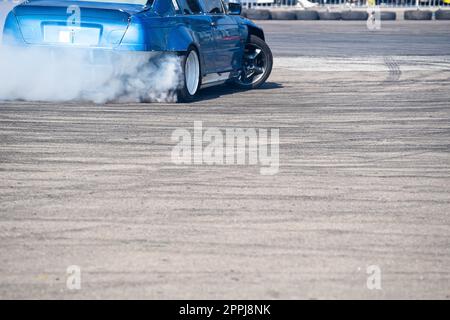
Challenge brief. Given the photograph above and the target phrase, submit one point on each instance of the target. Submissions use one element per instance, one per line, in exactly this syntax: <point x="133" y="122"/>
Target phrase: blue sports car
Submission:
<point x="215" y="44"/>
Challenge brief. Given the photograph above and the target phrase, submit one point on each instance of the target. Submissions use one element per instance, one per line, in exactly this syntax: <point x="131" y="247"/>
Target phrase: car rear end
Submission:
<point x="95" y="30"/>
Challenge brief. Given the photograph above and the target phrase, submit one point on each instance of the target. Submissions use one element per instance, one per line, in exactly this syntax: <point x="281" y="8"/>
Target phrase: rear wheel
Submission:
<point x="256" y="66"/>
<point x="190" y="82"/>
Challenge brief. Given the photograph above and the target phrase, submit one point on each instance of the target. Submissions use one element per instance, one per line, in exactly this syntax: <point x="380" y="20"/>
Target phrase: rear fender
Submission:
<point x="149" y="35"/>
<point x="179" y="39"/>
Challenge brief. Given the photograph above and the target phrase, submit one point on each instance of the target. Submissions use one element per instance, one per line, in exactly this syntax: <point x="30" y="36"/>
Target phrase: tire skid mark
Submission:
<point x="394" y="69"/>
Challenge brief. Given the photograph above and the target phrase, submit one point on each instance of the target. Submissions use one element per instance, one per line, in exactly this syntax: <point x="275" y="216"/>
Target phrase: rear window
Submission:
<point x="213" y="6"/>
<point x="190" y="6"/>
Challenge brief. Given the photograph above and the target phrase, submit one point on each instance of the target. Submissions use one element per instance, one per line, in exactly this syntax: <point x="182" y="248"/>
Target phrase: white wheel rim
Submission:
<point x="192" y="72"/>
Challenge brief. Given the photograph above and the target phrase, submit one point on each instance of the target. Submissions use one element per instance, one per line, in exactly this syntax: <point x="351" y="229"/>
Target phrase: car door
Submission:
<point x="227" y="35"/>
<point x="191" y="13"/>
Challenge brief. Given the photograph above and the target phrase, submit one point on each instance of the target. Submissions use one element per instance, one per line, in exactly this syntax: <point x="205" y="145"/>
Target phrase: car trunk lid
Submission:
<point x="73" y="23"/>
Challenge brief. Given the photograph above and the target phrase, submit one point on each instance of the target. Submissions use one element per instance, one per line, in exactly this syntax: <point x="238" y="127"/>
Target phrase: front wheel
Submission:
<point x="256" y="65"/>
<point x="190" y="82"/>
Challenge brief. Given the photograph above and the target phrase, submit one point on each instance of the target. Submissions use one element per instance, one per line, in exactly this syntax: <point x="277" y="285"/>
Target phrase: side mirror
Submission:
<point x="234" y="7"/>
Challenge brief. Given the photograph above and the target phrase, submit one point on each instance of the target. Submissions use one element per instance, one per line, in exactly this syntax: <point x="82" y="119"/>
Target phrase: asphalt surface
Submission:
<point x="364" y="179"/>
<point x="346" y="38"/>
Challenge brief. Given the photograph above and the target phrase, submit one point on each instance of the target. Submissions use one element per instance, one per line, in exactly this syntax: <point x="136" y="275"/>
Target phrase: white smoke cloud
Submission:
<point x="71" y="74"/>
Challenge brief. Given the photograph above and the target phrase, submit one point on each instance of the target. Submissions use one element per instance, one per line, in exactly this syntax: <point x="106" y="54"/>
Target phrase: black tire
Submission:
<point x="418" y="15"/>
<point x="307" y="15"/>
<point x="354" y="15"/>
<point x="258" y="14"/>
<point x="328" y="15"/>
<point x="283" y="15"/>
<point x="388" y="16"/>
<point x="183" y="94"/>
<point x="268" y="69"/>
<point x="442" y="15"/>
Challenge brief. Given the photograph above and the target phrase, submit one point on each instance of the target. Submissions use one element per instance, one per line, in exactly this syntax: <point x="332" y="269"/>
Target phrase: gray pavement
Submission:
<point x="364" y="180"/>
<point x="348" y="38"/>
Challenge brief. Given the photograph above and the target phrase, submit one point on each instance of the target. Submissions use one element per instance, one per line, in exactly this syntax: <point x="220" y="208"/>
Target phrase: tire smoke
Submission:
<point x="57" y="75"/>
